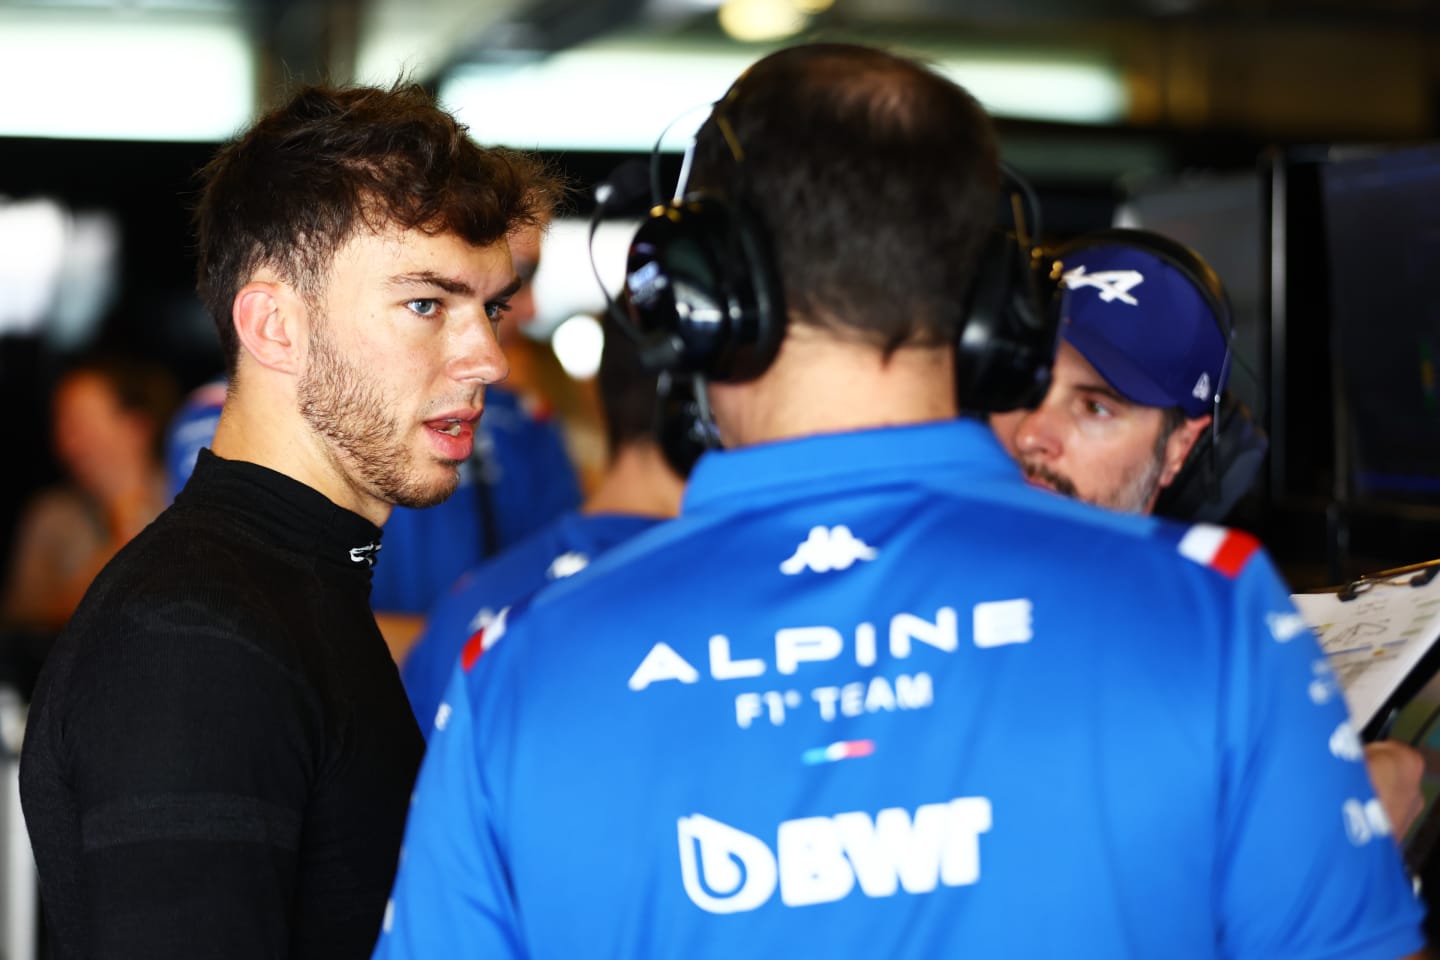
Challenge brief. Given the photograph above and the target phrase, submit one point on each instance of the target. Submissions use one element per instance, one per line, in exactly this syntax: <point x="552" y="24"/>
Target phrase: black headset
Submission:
<point x="705" y="299"/>
<point x="703" y="294"/>
<point x="1226" y="458"/>
<point x="1008" y="339"/>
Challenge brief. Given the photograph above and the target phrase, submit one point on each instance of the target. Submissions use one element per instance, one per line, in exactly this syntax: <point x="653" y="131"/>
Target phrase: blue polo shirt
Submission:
<point x="564" y="548"/>
<point x="874" y="696"/>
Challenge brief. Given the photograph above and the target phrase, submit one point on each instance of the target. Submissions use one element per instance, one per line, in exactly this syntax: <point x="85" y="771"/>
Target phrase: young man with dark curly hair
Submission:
<point x="220" y="753"/>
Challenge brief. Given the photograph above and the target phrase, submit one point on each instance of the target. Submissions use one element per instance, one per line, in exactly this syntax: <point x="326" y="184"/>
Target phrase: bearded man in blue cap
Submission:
<point x="1139" y="376"/>
<point x="1143" y="357"/>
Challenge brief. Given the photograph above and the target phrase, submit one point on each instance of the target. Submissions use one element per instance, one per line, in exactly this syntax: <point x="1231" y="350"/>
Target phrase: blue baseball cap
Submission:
<point x="1144" y="325"/>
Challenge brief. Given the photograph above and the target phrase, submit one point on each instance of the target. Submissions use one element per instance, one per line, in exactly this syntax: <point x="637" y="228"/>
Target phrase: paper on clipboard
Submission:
<point x="1373" y="641"/>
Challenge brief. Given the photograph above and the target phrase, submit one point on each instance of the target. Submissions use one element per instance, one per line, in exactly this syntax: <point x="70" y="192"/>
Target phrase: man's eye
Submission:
<point x="424" y="307"/>
<point x="1096" y="408"/>
<point x="495" y="310"/>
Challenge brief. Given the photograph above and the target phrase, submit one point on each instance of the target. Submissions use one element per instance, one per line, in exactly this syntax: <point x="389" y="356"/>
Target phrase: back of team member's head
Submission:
<point x="306" y="177"/>
<point x="875" y="180"/>
<point x="627" y="389"/>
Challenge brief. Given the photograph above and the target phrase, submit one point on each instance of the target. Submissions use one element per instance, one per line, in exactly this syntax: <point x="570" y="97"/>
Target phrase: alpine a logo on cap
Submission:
<point x="365" y="554"/>
<point x="1202" y="387"/>
<point x="1112" y="284"/>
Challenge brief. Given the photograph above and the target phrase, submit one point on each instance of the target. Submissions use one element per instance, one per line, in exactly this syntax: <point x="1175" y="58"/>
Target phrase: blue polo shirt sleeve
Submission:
<point x="1299" y="813"/>
<point x="431" y="660"/>
<point x="451" y="896"/>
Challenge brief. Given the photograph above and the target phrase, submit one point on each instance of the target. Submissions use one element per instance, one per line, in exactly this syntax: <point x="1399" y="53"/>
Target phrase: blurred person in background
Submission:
<point x="640" y="488"/>
<point x="108" y="417"/>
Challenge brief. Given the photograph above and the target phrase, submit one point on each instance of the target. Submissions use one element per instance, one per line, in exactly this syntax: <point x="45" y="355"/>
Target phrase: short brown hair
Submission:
<point x="875" y="178"/>
<point x="298" y="184"/>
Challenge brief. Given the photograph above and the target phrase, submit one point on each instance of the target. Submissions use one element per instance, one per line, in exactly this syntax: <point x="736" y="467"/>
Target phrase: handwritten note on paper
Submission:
<point x="1375" y="640"/>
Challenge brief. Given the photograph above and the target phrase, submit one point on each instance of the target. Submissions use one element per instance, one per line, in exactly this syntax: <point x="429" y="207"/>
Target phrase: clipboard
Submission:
<point x="1379" y="634"/>
<point x="1381" y="637"/>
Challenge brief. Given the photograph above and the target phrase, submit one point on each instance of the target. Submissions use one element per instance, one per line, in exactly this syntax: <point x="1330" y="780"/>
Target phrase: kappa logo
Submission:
<point x="826" y="549"/>
<point x="1112" y="284"/>
<point x="365" y="554"/>
<point x="822" y="859"/>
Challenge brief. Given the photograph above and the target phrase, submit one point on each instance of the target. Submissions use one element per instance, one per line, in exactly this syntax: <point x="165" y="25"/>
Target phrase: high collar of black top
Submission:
<point x="283" y="511"/>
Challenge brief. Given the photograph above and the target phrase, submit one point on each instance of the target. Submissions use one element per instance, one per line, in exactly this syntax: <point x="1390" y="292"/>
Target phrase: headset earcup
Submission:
<point x="1007" y="344"/>
<point x="704" y="296"/>
<point x="1214" y="478"/>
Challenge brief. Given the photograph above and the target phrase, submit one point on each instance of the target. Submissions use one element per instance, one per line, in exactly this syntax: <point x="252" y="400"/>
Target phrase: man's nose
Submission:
<point x="476" y="355"/>
<point x="1038" y="434"/>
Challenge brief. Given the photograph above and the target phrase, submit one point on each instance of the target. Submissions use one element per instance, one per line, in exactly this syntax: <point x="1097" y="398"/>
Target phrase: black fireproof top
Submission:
<point x="220" y="754"/>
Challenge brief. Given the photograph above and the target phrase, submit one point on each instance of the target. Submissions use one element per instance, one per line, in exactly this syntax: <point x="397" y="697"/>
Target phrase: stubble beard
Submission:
<point x="1137" y="492"/>
<point x="1134" y="494"/>
<point x="367" y="445"/>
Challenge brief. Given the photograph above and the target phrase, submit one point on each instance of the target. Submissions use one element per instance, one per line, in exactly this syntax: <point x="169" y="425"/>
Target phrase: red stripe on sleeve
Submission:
<point x="472" y="650"/>
<point x="1235" y="551"/>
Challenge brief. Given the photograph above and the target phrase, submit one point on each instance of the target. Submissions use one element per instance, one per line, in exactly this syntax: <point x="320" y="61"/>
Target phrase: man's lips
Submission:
<point x="455" y="424"/>
<point x="454" y="434"/>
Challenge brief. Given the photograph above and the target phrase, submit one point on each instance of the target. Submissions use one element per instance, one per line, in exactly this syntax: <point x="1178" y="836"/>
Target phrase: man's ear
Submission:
<point x="1182" y="439"/>
<point x="267" y="316"/>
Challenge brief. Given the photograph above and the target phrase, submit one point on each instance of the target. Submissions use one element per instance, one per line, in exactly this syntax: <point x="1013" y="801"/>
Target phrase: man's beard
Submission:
<point x="1135" y="493"/>
<point x="368" y="446"/>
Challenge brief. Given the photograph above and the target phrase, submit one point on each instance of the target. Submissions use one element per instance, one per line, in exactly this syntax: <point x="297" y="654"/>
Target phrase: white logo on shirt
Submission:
<point x="567" y="564"/>
<point x="826" y="549"/>
<point x="821" y="859"/>
<point x="1364" y="820"/>
<point x="1001" y="622"/>
<point x="1112" y="284"/>
<point x="795" y="646"/>
<point x="1344" y="745"/>
<point x="365" y="554"/>
<point x="1285" y="626"/>
<point x="482" y="619"/>
<point x="1324" y="687"/>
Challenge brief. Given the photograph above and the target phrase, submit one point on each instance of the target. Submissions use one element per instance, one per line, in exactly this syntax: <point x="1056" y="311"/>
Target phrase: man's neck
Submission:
<point x="261" y="424"/>
<point x="639" y="482"/>
<point x="822" y="384"/>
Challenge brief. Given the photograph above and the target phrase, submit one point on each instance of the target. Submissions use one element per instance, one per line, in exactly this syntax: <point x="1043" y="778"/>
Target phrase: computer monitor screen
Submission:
<point x="1382" y="227"/>
<point x="1220" y="218"/>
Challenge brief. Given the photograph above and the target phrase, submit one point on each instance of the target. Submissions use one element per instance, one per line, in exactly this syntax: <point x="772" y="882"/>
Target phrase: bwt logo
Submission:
<point x="821" y="859"/>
